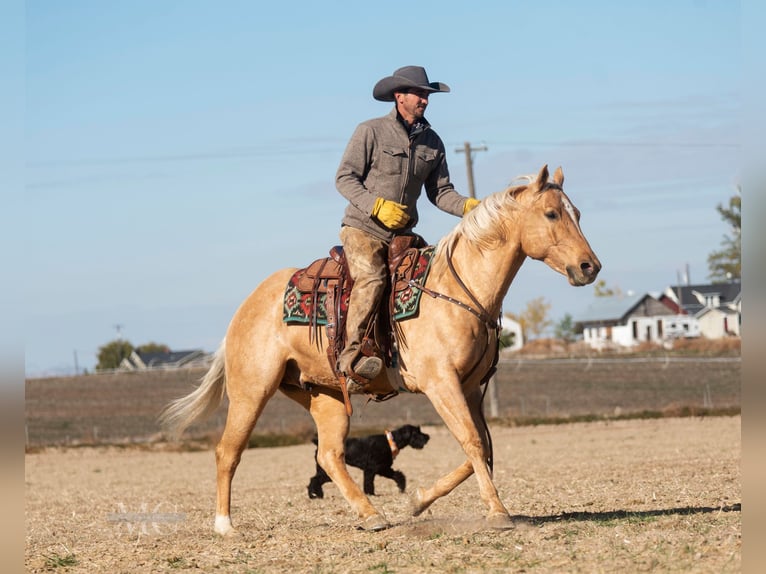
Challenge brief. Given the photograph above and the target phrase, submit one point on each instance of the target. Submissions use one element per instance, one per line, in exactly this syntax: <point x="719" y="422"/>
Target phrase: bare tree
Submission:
<point x="534" y="319"/>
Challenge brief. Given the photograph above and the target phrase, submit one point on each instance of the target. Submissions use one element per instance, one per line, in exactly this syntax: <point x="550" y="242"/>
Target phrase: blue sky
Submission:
<point x="178" y="152"/>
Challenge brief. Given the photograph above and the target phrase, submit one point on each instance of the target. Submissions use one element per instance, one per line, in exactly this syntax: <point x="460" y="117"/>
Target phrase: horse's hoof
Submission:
<point x="223" y="526"/>
<point x="374" y="523"/>
<point x="500" y="522"/>
<point x="417" y="506"/>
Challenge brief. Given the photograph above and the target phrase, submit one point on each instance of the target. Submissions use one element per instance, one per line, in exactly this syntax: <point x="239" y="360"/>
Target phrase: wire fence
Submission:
<point x="123" y="407"/>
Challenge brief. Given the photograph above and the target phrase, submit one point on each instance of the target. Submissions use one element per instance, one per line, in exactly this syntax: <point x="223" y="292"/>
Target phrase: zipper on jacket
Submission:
<point x="410" y="153"/>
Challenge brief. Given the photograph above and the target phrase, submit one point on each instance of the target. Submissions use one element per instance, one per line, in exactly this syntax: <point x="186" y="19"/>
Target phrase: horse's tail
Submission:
<point x="201" y="402"/>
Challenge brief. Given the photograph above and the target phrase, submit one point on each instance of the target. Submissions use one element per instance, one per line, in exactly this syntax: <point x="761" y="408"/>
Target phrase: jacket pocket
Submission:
<point x="392" y="160"/>
<point x="425" y="163"/>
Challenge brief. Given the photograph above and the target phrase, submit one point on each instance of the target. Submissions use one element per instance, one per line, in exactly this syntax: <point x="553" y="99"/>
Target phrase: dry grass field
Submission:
<point x="656" y="493"/>
<point x="659" y="495"/>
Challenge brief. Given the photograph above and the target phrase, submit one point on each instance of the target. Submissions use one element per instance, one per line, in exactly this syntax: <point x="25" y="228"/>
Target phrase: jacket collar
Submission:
<point x="413" y="130"/>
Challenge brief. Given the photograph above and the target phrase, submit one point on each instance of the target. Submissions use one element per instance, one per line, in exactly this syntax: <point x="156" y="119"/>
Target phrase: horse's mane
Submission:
<point x="481" y="226"/>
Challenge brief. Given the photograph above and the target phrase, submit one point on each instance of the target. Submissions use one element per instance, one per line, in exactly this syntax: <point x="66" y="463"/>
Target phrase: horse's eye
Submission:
<point x="552" y="215"/>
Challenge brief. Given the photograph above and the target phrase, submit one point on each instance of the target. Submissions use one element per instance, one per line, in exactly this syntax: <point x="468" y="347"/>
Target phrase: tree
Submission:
<point x="565" y="329"/>
<point x="111" y="354"/>
<point x="534" y="319"/>
<point x="726" y="263"/>
<point x="152" y="348"/>
<point x="601" y="290"/>
<point x="507" y="339"/>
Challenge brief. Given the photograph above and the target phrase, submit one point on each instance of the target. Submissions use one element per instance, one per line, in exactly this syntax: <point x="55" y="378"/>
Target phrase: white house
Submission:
<point x="716" y="306"/>
<point x="626" y="321"/>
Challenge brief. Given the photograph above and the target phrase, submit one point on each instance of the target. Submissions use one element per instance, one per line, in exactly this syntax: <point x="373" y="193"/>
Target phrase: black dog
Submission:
<point x="374" y="454"/>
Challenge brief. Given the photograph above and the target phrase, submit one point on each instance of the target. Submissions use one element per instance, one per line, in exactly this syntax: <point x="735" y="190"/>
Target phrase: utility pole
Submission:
<point x="468" y="151"/>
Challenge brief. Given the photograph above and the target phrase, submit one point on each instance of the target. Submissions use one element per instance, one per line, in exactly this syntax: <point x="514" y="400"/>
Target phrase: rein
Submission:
<point x="481" y="313"/>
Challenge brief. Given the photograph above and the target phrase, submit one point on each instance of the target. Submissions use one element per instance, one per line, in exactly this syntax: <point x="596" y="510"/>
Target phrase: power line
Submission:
<point x="610" y="144"/>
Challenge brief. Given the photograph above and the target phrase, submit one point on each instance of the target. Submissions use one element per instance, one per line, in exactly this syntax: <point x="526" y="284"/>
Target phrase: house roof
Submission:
<point x="158" y="359"/>
<point x="168" y="360"/>
<point x="726" y="292"/>
<point x="609" y="308"/>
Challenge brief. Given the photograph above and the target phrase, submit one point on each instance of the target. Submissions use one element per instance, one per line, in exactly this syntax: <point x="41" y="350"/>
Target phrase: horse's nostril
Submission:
<point x="589" y="268"/>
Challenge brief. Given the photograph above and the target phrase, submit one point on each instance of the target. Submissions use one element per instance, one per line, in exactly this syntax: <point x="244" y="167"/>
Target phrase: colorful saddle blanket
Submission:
<point x="299" y="300"/>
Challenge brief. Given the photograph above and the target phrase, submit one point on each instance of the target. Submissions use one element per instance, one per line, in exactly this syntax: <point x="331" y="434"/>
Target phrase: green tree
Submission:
<point x="153" y="348"/>
<point x="565" y="329"/>
<point x="507" y="338"/>
<point x="534" y="319"/>
<point x="726" y="263"/>
<point x="111" y="354"/>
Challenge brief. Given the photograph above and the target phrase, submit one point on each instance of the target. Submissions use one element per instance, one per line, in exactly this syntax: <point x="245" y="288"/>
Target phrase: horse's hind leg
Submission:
<point x="242" y="416"/>
<point x="422" y="498"/>
<point x="329" y="413"/>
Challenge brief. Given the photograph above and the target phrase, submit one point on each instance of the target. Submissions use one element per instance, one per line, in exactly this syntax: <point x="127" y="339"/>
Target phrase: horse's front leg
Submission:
<point x="329" y="414"/>
<point x="461" y="419"/>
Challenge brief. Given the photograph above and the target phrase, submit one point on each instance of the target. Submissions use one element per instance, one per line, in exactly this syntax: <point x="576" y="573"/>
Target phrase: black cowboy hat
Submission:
<point x="403" y="78"/>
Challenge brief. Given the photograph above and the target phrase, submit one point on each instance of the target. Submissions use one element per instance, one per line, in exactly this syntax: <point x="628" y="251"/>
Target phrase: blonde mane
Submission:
<point x="481" y="226"/>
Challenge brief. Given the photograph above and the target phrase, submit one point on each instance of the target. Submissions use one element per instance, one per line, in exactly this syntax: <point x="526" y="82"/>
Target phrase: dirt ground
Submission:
<point x="636" y="495"/>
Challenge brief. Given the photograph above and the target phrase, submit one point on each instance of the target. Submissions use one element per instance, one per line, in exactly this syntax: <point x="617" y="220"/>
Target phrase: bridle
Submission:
<point x="479" y="311"/>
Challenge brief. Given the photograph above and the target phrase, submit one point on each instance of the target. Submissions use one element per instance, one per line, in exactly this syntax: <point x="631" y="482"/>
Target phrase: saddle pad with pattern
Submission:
<point x="299" y="304"/>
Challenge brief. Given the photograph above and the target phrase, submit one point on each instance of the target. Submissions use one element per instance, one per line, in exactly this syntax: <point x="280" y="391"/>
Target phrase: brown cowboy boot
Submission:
<point x="359" y="358"/>
<point x="367" y="367"/>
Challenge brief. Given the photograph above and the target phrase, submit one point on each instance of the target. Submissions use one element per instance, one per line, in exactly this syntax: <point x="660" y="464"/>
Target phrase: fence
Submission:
<point x="613" y="386"/>
<point x="113" y="408"/>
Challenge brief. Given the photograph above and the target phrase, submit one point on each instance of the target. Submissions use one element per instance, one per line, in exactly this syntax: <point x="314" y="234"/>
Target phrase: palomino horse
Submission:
<point x="444" y="352"/>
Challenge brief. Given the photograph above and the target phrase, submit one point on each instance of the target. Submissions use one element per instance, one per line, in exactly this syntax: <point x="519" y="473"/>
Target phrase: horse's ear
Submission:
<point x="558" y="176"/>
<point x="542" y="177"/>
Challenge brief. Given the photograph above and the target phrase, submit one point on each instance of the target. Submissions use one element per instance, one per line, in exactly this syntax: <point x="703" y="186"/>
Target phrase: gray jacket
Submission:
<point x="382" y="161"/>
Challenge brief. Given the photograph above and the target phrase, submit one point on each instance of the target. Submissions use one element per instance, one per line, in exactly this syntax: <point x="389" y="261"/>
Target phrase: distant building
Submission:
<point x="686" y="311"/>
<point x="717" y="306"/>
<point x="165" y="360"/>
<point x="626" y="321"/>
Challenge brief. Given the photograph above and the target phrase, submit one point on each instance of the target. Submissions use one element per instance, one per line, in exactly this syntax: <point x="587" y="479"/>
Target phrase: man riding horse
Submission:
<point x="386" y="164"/>
<point x="447" y="348"/>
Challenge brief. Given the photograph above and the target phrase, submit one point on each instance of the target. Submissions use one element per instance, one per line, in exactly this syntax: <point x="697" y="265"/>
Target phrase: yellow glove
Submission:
<point x="390" y="213"/>
<point x="469" y="204"/>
